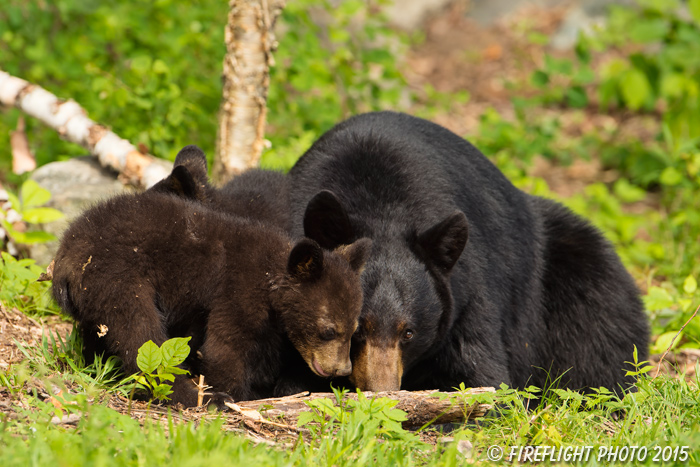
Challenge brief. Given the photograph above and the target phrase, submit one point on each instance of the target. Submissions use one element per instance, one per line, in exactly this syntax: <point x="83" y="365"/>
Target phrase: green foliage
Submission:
<point x="19" y="288"/>
<point x="348" y="432"/>
<point x="151" y="70"/>
<point x="655" y="72"/>
<point x="28" y="207"/>
<point x="158" y="365"/>
<point x="349" y="65"/>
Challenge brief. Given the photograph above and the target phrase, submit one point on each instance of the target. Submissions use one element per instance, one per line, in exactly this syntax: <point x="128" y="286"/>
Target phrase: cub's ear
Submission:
<point x="195" y="161"/>
<point x="180" y="182"/>
<point x="305" y="260"/>
<point x="356" y="253"/>
<point x="443" y="243"/>
<point x="326" y="221"/>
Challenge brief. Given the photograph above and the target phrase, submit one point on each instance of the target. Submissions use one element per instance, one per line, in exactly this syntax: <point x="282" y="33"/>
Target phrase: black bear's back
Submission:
<point x="592" y="315"/>
<point x="402" y="174"/>
<point x="257" y="194"/>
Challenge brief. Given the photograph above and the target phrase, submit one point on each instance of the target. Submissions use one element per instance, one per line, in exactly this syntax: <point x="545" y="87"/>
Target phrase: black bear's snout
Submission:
<point x="344" y="371"/>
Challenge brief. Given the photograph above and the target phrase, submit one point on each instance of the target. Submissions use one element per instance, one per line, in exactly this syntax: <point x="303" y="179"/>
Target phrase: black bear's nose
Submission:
<point x="344" y="371"/>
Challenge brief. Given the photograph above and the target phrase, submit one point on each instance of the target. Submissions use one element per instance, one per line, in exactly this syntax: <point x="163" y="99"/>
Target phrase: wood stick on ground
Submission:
<point x="421" y="407"/>
<point x="70" y="120"/>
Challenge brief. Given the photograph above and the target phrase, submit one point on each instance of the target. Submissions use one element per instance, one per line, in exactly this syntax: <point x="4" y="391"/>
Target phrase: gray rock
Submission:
<point x="487" y="12"/>
<point x="75" y="185"/>
<point x="410" y="14"/>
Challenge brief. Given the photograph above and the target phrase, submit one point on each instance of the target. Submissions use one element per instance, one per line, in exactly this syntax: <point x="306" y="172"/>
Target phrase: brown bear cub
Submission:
<point x="158" y="264"/>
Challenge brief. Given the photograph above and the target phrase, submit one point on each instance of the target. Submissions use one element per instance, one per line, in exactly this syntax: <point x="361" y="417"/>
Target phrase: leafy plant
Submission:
<point x="360" y="431"/>
<point x="19" y="286"/>
<point x="27" y="208"/>
<point x="349" y="65"/>
<point x="158" y="365"/>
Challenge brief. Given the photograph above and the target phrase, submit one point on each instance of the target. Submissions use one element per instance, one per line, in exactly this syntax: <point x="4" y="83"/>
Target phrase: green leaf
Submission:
<point x="672" y="85"/>
<point x="576" y="97"/>
<point x="175" y="351"/>
<point x="164" y="375"/>
<point x="664" y="341"/>
<point x="540" y="78"/>
<point x="694" y="6"/>
<point x="141" y="64"/>
<point x="649" y="30"/>
<point x="30" y="238"/>
<point x="304" y="418"/>
<point x="635" y="88"/>
<point x="33" y="195"/>
<point x="627" y="192"/>
<point x="149" y="358"/>
<point x="175" y="370"/>
<point x="41" y="215"/>
<point x="14" y="201"/>
<point x="160" y="67"/>
<point x="657" y="299"/>
<point x="690" y="285"/>
<point x="670" y="177"/>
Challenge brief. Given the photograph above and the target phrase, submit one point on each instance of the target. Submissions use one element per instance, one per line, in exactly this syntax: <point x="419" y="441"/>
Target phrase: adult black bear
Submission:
<point x="155" y="265"/>
<point x="535" y="293"/>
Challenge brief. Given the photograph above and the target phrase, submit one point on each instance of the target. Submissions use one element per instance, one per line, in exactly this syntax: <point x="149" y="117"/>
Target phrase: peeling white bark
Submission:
<point x="249" y="41"/>
<point x="70" y="120"/>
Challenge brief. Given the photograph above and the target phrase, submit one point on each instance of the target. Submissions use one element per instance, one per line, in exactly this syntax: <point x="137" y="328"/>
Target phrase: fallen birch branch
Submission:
<point x="71" y="122"/>
<point x="421" y="407"/>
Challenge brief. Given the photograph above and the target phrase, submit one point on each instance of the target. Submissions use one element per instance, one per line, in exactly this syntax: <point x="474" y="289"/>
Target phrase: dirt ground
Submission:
<point x="458" y="54"/>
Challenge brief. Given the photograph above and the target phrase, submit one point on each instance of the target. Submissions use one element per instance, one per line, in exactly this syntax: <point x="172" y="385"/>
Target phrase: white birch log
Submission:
<point x="71" y="122"/>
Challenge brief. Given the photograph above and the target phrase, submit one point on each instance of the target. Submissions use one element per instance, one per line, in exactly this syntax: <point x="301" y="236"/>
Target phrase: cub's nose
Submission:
<point x="344" y="371"/>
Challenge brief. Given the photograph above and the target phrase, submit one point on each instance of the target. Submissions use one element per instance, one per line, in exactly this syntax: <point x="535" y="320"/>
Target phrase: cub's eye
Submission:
<point x="328" y="334"/>
<point x="407" y="335"/>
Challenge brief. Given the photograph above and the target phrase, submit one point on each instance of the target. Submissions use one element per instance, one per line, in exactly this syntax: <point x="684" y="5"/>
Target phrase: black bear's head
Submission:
<point x="408" y="302"/>
<point x="319" y="301"/>
<point x="188" y="178"/>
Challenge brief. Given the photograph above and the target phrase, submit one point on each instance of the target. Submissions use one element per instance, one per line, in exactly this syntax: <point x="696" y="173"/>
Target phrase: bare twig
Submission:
<point x="658" y="368"/>
<point x="201" y="387"/>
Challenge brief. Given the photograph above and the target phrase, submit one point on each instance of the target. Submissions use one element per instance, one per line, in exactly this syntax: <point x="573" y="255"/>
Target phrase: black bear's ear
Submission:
<point x="195" y="161"/>
<point x="444" y="242"/>
<point x="180" y="182"/>
<point x="305" y="260"/>
<point x="356" y="253"/>
<point x="326" y="221"/>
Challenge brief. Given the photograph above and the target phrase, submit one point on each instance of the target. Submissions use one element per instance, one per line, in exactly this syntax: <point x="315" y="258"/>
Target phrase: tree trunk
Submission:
<point x="249" y="44"/>
<point x="421" y="407"/>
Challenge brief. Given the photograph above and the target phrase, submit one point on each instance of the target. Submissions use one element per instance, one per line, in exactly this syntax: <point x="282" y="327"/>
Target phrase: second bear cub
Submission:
<point x="155" y="265"/>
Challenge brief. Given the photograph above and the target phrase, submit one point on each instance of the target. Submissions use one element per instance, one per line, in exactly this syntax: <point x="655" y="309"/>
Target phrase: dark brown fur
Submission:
<point x="155" y="265"/>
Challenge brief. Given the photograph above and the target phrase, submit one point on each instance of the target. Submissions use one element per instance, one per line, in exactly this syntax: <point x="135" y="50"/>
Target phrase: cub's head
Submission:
<point x="319" y="300"/>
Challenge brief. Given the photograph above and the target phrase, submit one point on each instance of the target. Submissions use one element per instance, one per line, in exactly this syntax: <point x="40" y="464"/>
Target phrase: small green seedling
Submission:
<point x="158" y="365"/>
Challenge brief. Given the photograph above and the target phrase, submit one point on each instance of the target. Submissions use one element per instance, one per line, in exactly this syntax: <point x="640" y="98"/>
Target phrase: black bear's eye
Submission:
<point x="328" y="334"/>
<point x="407" y="335"/>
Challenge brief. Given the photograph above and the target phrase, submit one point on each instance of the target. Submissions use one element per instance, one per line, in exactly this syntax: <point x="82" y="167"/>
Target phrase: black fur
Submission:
<point x="470" y="279"/>
<point x="161" y="264"/>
